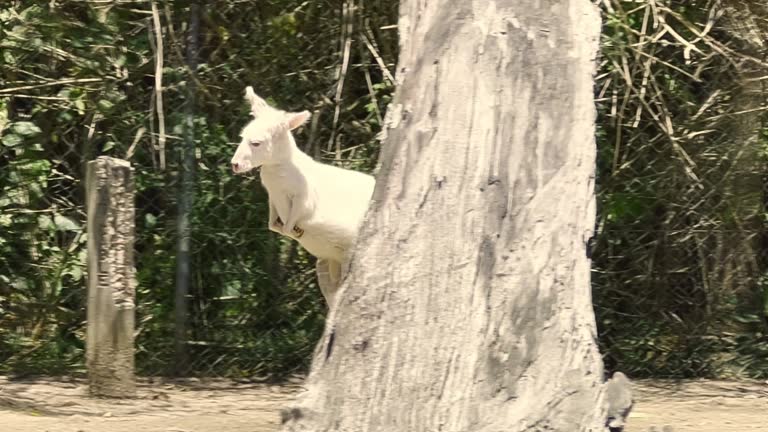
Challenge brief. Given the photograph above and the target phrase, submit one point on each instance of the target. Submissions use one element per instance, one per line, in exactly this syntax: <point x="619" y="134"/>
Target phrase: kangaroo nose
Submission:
<point x="235" y="166"/>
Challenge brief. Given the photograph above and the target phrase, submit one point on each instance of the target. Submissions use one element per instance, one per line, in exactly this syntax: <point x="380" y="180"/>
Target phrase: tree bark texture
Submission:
<point x="467" y="306"/>
<point x="111" y="278"/>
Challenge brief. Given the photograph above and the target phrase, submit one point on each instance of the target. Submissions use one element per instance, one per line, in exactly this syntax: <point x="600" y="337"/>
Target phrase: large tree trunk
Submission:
<point x="468" y="304"/>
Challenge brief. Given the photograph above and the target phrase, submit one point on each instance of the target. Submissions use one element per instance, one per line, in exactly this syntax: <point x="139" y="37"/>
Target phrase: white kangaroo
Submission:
<point x="320" y="206"/>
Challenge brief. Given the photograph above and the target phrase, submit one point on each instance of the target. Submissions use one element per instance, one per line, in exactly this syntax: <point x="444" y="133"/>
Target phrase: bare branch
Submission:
<point x="159" y="82"/>
<point x="346" y="45"/>
<point x="52" y="83"/>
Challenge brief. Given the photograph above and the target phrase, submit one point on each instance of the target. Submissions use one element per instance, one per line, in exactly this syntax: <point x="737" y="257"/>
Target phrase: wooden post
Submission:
<point x="111" y="279"/>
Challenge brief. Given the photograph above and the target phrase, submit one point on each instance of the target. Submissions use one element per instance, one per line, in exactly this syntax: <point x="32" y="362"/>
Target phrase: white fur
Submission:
<point x="325" y="204"/>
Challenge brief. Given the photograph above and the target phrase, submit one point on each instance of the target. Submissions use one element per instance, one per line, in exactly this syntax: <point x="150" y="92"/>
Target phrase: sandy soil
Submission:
<point x="190" y="405"/>
<point x="700" y="406"/>
<point x="61" y="405"/>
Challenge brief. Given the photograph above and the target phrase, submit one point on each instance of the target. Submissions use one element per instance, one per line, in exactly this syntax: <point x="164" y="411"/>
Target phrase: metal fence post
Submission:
<point x="186" y="200"/>
<point x="111" y="278"/>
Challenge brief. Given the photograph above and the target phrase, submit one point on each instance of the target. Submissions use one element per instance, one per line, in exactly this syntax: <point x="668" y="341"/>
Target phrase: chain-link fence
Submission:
<point x="678" y="255"/>
<point x="81" y="80"/>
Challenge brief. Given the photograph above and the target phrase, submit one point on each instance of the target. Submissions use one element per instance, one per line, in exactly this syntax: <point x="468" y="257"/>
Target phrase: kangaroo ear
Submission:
<point x="297" y="119"/>
<point x="258" y="105"/>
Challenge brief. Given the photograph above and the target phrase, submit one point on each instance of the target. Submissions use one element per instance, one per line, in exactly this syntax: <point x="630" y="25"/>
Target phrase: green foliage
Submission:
<point x="679" y="271"/>
<point x="78" y="82"/>
<point x="679" y="259"/>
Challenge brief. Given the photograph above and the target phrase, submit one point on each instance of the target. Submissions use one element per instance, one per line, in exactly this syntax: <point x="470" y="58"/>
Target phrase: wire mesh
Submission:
<point x="679" y="256"/>
<point x="679" y="261"/>
<point x="73" y="91"/>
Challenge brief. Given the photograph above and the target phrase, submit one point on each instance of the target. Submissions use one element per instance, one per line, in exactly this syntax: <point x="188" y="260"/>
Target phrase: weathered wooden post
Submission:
<point x="111" y="279"/>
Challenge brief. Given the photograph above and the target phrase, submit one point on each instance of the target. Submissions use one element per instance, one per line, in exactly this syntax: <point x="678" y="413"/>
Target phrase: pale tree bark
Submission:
<point x="467" y="306"/>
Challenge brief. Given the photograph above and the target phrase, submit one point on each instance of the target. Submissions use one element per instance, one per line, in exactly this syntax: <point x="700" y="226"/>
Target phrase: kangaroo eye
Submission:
<point x="255" y="143"/>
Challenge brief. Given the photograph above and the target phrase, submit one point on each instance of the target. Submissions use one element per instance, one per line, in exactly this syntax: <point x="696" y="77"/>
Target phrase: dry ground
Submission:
<point x="61" y="405"/>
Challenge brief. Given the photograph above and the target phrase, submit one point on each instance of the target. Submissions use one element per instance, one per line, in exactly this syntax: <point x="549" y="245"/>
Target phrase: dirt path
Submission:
<point x="56" y="405"/>
<point x="60" y="405"/>
<point x="700" y="406"/>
